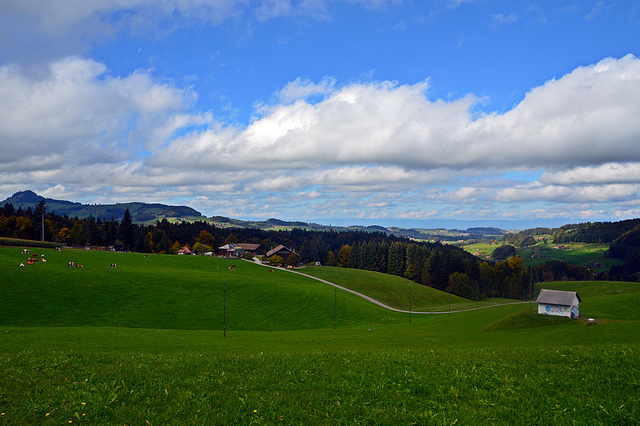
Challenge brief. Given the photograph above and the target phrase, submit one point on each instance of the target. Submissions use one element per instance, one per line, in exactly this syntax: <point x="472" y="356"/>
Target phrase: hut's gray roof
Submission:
<point x="557" y="297"/>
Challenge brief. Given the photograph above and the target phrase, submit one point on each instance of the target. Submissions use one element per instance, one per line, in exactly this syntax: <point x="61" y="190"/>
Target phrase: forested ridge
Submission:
<point x="442" y="266"/>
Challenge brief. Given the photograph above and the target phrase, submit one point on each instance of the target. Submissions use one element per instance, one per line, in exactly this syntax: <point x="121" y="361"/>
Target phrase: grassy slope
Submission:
<point x="169" y="292"/>
<point x="493" y="366"/>
<point x="394" y="291"/>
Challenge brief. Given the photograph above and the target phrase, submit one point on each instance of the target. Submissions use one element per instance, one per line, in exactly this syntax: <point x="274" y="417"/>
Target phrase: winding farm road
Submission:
<point x="374" y="301"/>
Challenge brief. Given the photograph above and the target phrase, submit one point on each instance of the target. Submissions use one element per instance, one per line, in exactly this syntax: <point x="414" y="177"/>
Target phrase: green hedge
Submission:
<point x="27" y="243"/>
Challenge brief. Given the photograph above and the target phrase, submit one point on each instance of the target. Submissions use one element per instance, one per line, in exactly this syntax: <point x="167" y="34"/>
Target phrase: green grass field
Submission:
<point x="143" y="343"/>
<point x="576" y="253"/>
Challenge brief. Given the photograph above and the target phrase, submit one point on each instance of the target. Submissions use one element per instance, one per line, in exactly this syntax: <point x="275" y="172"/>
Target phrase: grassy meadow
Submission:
<point x="582" y="254"/>
<point x="144" y="343"/>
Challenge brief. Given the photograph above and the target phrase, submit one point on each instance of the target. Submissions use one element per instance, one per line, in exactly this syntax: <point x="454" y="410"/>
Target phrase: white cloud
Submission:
<point x="570" y="194"/>
<point x="78" y="128"/>
<point x="605" y="173"/>
<point x="587" y="117"/>
<point x="304" y="88"/>
<point x="78" y="114"/>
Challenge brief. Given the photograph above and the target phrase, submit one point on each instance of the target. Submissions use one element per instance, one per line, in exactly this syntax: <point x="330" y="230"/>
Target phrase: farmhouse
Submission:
<point x="281" y="251"/>
<point x="235" y="250"/>
<point x="255" y="249"/>
<point x="559" y="303"/>
<point x="184" y="250"/>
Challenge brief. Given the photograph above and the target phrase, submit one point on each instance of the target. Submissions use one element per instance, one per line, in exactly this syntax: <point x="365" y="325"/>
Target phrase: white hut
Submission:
<point x="559" y="303"/>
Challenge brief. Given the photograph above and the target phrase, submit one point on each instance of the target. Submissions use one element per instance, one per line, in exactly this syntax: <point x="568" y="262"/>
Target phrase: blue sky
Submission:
<point x="341" y="111"/>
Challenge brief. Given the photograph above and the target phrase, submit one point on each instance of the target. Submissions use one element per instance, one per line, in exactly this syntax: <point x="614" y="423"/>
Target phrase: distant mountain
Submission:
<point x="149" y="213"/>
<point x="413" y="233"/>
<point x="140" y="212"/>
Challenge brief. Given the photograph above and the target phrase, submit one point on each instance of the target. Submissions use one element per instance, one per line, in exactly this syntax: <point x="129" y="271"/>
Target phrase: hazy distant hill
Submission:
<point x="140" y="212"/>
<point x="413" y="233"/>
<point x="149" y="213"/>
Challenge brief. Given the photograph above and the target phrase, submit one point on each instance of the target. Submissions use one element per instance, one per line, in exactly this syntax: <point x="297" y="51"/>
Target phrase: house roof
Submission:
<point x="277" y="249"/>
<point x="229" y="246"/>
<point x="248" y="246"/>
<point x="557" y="297"/>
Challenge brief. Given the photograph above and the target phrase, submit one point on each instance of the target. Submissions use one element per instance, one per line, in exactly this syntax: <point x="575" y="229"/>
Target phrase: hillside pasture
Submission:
<point x="576" y="253"/>
<point x="397" y="292"/>
<point x="168" y="292"/>
<point x="65" y="358"/>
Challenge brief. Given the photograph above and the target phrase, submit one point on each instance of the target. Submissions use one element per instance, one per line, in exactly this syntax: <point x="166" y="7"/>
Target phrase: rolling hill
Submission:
<point x="140" y="212"/>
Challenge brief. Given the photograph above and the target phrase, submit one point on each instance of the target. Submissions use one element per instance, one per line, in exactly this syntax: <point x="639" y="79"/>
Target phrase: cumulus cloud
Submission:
<point x="80" y="125"/>
<point x="79" y="114"/>
<point x="585" y="118"/>
<point x="570" y="194"/>
<point x="602" y="174"/>
<point x="304" y="88"/>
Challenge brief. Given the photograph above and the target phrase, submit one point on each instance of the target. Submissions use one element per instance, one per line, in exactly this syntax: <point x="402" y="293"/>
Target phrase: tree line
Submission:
<point x="441" y="266"/>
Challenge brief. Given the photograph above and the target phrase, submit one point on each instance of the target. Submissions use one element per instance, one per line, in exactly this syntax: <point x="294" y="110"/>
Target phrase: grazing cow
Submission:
<point x="79" y="266"/>
<point x="25" y="251"/>
<point x="71" y="264"/>
<point x="30" y="263"/>
<point x="22" y="265"/>
<point x="146" y="255"/>
<point x="113" y="265"/>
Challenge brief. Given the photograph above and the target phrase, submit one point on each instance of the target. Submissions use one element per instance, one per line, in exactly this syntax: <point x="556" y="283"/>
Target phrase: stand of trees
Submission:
<point x="445" y="267"/>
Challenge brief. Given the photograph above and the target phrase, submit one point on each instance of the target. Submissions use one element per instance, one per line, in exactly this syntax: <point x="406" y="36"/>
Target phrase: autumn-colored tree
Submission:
<point x="206" y="238"/>
<point x="201" y="248"/>
<point x="173" y="249"/>
<point x="24" y="228"/>
<point x="293" y="260"/>
<point x="231" y="239"/>
<point x="276" y="260"/>
<point x="343" y="255"/>
<point x="62" y="235"/>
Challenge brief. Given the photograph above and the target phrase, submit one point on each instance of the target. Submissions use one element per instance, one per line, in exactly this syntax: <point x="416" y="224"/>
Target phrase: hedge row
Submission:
<point x="27" y="243"/>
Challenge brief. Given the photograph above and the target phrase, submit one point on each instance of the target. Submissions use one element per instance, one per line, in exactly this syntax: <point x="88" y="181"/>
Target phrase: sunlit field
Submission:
<point x="183" y="339"/>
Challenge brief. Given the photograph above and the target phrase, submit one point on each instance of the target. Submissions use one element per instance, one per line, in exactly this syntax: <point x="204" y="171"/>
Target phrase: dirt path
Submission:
<point x="374" y="301"/>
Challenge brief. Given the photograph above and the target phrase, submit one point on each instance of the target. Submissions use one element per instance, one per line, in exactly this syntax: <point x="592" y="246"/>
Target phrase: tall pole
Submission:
<point x="410" y="293"/>
<point x="224" y="308"/>
<point x="335" y="306"/>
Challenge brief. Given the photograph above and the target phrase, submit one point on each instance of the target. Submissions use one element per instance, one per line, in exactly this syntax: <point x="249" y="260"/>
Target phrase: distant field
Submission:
<point x="144" y="344"/>
<point x="576" y="253"/>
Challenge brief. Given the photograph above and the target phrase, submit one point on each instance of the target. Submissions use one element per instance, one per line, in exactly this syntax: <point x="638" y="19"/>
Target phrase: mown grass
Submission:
<point x="283" y="362"/>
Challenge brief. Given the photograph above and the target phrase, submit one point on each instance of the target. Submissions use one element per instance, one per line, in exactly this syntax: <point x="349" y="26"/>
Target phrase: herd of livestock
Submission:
<point x="34" y="259"/>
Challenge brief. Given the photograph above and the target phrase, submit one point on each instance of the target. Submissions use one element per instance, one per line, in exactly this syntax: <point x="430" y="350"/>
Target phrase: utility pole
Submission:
<point x="42" y="207"/>
<point x="410" y="294"/>
<point x="335" y="306"/>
